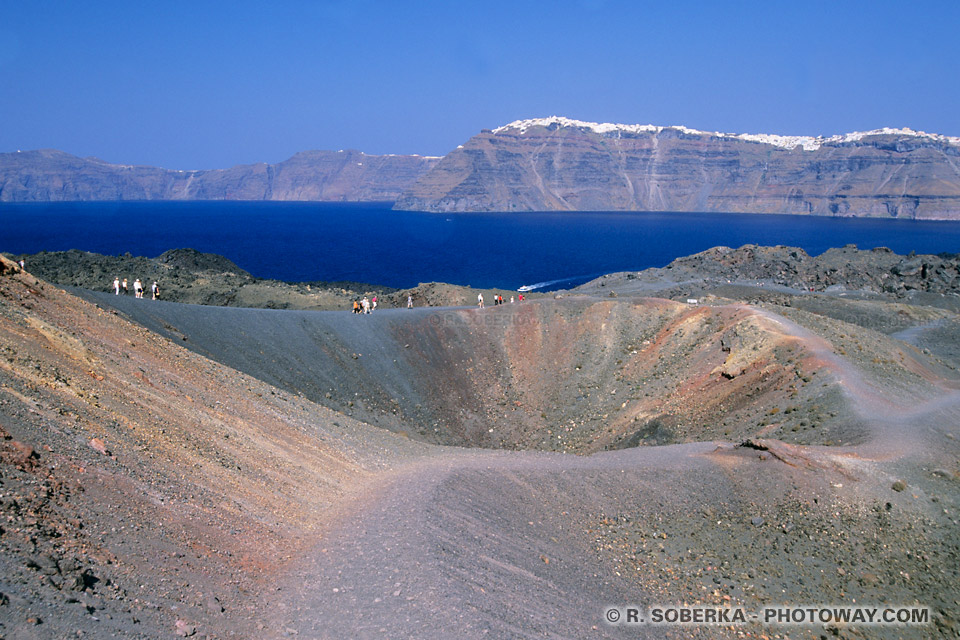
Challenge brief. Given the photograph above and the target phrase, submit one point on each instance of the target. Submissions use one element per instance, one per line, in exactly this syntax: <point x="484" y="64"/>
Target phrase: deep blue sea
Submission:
<point x="296" y="241"/>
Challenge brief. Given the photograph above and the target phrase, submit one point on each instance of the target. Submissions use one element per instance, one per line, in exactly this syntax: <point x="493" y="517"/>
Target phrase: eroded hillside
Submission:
<point x="132" y="469"/>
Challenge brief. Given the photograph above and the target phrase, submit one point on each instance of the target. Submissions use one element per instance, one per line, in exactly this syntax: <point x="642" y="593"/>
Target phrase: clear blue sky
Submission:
<point x="194" y="84"/>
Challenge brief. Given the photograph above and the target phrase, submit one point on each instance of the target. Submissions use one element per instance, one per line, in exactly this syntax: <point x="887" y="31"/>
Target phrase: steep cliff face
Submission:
<point x="560" y="164"/>
<point x="49" y="175"/>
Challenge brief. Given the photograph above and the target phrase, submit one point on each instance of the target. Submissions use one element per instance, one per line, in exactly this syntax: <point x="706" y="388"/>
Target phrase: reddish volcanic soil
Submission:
<point x="174" y="470"/>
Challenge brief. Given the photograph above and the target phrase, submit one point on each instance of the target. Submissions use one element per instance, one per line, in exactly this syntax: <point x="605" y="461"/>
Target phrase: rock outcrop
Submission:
<point x="877" y="270"/>
<point x="50" y="175"/>
<point x="560" y="164"/>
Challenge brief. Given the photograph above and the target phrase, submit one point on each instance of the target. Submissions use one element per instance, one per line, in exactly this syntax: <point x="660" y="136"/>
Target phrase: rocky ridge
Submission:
<point x="189" y="276"/>
<point x="837" y="270"/>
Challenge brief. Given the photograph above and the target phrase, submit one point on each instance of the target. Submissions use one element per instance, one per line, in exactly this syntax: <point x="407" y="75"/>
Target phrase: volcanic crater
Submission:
<point x="576" y="375"/>
<point x="254" y="473"/>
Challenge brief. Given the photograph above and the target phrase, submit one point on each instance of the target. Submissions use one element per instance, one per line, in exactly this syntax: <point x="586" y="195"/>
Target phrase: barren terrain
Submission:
<point x="173" y="469"/>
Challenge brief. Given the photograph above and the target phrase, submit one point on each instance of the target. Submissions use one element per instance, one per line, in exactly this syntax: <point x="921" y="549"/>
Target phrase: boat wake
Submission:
<point x="551" y="285"/>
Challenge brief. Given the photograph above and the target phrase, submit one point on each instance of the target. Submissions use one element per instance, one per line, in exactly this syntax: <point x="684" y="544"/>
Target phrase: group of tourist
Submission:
<point x="120" y="286"/>
<point x="497" y="299"/>
<point x="369" y="305"/>
<point x="365" y="305"/>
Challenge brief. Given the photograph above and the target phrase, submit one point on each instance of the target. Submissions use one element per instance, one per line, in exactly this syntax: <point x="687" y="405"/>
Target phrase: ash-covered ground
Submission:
<point x="172" y="469"/>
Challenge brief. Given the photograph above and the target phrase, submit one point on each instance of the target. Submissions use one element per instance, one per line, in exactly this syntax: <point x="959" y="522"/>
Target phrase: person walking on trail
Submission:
<point x="356" y="306"/>
<point x="138" y="288"/>
<point x="116" y="286"/>
<point x="365" y="303"/>
<point x="409" y="302"/>
<point x="373" y="306"/>
<point x="125" y="290"/>
<point x="480" y="300"/>
<point x="155" y="289"/>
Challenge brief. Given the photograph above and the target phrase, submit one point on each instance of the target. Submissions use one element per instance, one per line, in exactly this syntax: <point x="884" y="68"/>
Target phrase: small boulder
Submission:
<point x="8" y="267"/>
<point x="23" y="455"/>
<point x="99" y="446"/>
<point x="184" y="629"/>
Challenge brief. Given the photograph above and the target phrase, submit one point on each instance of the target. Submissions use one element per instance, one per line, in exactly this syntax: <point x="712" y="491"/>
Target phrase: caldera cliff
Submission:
<point x="556" y="164"/>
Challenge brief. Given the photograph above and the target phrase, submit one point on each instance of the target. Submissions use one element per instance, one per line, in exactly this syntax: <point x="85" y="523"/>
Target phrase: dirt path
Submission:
<point x="492" y="544"/>
<point x="451" y="546"/>
<point x="899" y="426"/>
<point x="912" y="334"/>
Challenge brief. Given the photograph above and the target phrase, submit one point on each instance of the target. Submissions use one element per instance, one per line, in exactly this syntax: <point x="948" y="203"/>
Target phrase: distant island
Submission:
<point x="325" y="176"/>
<point x="558" y="164"/>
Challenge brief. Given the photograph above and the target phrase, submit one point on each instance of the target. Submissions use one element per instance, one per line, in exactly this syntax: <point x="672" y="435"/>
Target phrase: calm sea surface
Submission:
<point x="370" y="243"/>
